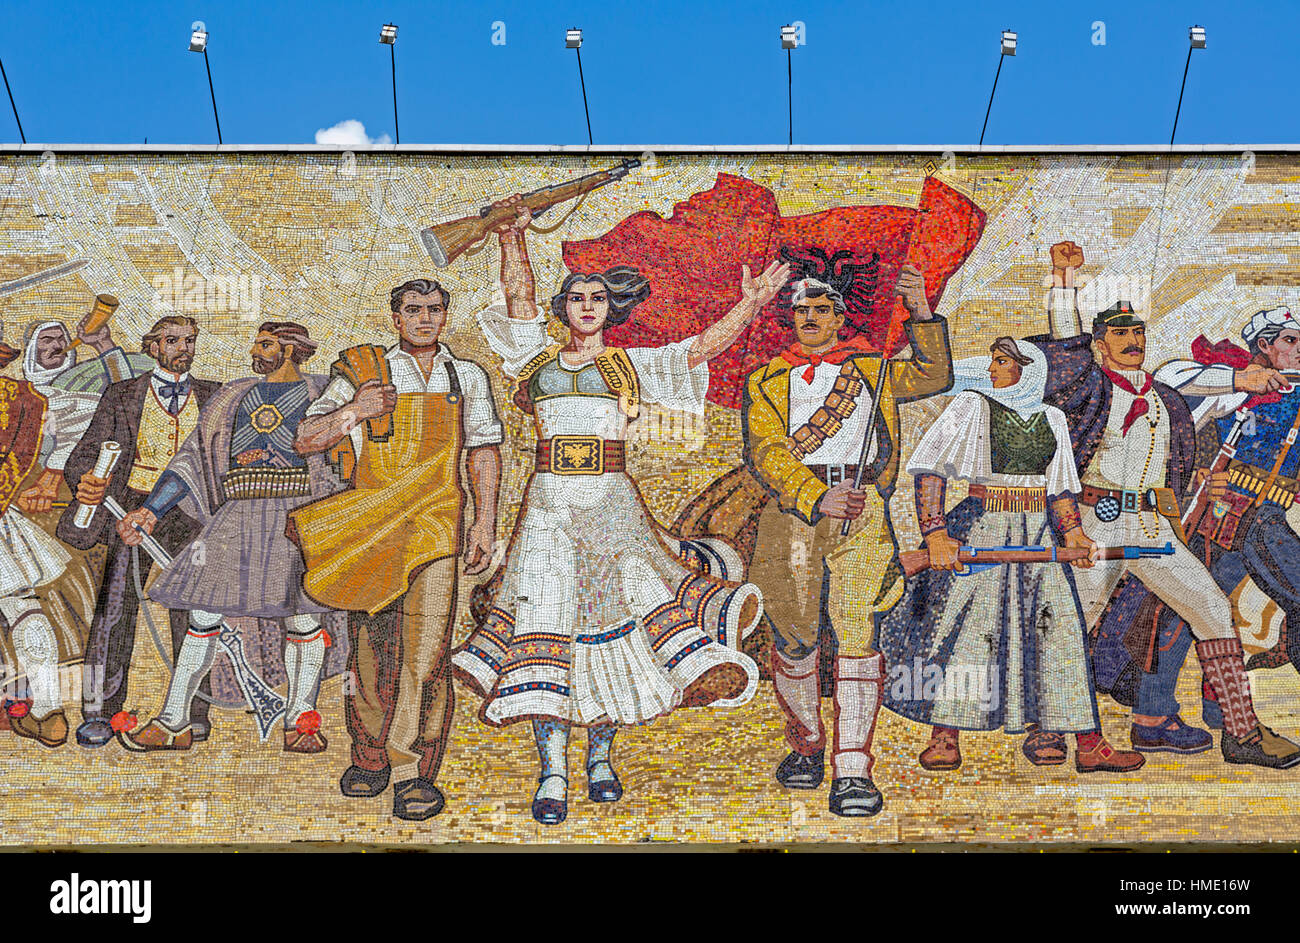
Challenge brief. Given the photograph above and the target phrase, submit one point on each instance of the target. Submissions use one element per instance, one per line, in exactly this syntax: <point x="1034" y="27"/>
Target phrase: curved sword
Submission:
<point x="268" y="707"/>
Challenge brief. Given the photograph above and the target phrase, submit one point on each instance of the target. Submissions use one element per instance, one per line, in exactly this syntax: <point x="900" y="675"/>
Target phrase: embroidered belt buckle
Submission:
<point x="1130" y="501"/>
<point x="577" y="455"/>
<point x="834" y="474"/>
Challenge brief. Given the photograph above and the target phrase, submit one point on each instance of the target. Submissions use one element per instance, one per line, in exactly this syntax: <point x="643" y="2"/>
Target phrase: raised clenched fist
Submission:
<point x="1066" y="255"/>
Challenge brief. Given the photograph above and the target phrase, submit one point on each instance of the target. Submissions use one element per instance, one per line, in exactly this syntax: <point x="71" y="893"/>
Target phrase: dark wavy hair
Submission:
<point x="421" y="286"/>
<point x="627" y="288"/>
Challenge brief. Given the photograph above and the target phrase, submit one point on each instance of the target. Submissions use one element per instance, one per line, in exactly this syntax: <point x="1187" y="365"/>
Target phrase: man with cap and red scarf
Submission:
<point x="1245" y="533"/>
<point x="804" y="418"/>
<point x="1135" y="443"/>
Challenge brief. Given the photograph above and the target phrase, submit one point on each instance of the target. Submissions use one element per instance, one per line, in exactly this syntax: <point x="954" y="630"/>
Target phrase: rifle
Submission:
<point x="267" y="706"/>
<point x="982" y="558"/>
<point x="445" y="241"/>
<point x="1227" y="452"/>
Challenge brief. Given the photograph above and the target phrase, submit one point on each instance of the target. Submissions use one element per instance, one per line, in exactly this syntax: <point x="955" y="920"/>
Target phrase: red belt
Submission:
<point x="579" y="455"/>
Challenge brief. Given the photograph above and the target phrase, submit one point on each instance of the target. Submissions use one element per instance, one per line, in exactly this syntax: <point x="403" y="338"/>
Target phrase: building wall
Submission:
<point x="1197" y="242"/>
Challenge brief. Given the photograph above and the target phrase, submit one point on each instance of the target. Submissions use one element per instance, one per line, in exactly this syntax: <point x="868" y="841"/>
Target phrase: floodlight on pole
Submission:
<point x="1008" y="48"/>
<point x="789" y="40"/>
<point x="199" y="43"/>
<point x="388" y="36"/>
<point x="1195" y="40"/>
<point x="11" y="102"/>
<point x="573" y="40"/>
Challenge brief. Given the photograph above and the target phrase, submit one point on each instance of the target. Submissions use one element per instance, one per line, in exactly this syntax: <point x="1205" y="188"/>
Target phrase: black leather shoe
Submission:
<point x="95" y="732"/>
<point x="1262" y="747"/>
<point x="551" y="811"/>
<point x="802" y="772"/>
<point x="604" y="790"/>
<point x="417" y="799"/>
<point x="855" y="797"/>
<point x="358" y="783"/>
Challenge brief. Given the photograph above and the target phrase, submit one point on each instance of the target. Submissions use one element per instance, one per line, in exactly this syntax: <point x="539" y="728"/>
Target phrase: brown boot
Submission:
<point x="943" y="752"/>
<point x="50" y="730"/>
<point x="154" y="736"/>
<point x="1104" y="758"/>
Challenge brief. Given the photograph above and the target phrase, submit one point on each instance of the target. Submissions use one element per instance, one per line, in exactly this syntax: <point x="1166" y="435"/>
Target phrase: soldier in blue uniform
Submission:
<point x="1246" y="533"/>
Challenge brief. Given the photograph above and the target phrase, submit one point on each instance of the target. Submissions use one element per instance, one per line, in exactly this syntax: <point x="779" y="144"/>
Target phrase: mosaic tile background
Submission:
<point x="321" y="239"/>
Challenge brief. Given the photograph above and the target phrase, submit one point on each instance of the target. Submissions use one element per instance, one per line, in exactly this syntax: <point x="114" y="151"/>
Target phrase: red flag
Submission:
<point x="693" y="260"/>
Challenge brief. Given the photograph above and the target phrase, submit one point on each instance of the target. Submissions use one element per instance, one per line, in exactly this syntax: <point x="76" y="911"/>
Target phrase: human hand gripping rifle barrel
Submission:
<point x="446" y="241"/>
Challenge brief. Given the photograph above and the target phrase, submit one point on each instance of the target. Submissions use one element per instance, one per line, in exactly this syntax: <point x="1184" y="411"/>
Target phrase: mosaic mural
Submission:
<point x="427" y="498"/>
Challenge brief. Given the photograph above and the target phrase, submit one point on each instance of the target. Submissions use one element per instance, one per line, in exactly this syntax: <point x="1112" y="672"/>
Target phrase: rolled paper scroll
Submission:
<point x="109" y="453"/>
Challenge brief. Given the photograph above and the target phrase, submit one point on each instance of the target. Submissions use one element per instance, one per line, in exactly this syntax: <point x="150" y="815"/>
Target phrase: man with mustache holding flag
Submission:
<point x="805" y="417"/>
<point x="1135" y="447"/>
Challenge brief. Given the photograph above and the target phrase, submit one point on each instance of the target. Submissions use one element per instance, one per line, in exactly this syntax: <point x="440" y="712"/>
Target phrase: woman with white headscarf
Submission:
<point x="1004" y="646"/>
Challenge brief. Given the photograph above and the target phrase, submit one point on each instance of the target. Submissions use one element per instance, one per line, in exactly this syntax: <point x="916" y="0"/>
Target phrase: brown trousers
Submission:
<point x="400" y="707"/>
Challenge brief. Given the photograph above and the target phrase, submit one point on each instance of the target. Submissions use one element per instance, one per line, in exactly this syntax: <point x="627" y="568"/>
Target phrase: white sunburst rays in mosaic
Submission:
<point x="77" y="219"/>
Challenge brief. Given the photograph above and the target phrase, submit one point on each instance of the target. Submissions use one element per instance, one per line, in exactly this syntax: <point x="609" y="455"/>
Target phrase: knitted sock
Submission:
<point x="198" y="650"/>
<point x="600" y="740"/>
<point x="553" y="748"/>
<point x="1225" y="672"/>
<point x="857" y="702"/>
<point x="304" y="654"/>
<point x="1087" y="742"/>
<point x="38" y="655"/>
<point x="798" y="691"/>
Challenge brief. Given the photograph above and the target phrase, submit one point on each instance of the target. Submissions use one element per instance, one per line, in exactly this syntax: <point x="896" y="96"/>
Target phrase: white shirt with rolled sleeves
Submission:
<point x="1214" y="382"/>
<point x="482" y="426"/>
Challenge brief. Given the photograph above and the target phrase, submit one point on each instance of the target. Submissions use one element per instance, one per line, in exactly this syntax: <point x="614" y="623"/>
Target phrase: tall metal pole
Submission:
<point x="11" y="102"/>
<point x="1181" y="89"/>
<point x="392" y="49"/>
<point x="583" y="83"/>
<point x="991" y="94"/>
<point x="213" y="93"/>
<point x="789" y="88"/>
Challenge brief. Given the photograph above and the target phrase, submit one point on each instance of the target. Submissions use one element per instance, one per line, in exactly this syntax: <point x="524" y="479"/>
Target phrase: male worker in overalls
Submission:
<point x="385" y="550"/>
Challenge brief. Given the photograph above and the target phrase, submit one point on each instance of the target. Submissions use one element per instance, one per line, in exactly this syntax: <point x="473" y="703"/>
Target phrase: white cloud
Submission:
<point x="349" y="133"/>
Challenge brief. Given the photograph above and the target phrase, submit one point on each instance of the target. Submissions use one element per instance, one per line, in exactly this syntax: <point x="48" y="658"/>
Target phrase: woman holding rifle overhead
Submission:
<point x="1005" y="646"/>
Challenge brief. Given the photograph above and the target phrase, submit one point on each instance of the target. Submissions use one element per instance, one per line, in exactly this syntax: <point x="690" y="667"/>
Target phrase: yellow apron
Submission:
<point x="362" y="545"/>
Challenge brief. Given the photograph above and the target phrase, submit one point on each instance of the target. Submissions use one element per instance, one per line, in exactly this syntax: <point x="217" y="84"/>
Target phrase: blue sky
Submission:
<point x="656" y="72"/>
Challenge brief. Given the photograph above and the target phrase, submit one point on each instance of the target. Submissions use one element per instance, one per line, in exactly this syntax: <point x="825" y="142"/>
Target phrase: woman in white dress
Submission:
<point x="1004" y="647"/>
<point x="596" y="620"/>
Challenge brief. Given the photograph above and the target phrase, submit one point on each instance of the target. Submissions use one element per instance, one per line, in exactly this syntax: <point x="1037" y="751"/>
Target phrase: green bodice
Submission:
<point x="1018" y="446"/>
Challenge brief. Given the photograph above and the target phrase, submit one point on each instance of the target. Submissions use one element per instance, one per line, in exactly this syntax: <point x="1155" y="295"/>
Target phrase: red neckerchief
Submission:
<point x="1226" y="353"/>
<point x="795" y="356"/>
<point x="1140" y="406"/>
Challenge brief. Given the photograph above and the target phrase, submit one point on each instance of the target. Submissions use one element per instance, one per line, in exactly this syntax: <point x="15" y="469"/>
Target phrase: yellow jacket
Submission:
<point x="765" y="414"/>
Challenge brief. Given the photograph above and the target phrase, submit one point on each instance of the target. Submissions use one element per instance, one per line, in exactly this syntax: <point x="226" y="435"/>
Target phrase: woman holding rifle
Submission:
<point x="595" y="620"/>
<point x="1005" y="646"/>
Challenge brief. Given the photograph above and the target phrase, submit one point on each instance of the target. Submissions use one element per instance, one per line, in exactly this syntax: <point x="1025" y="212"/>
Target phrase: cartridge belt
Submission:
<point x="1010" y="498"/>
<point x="242" y="484"/>
<point x="1252" y="479"/>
